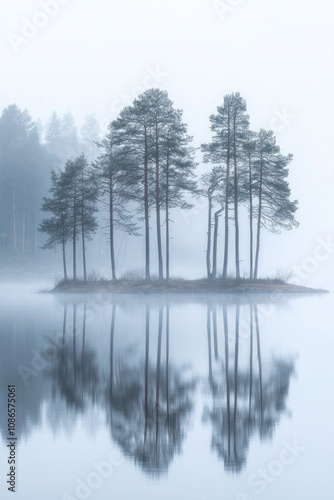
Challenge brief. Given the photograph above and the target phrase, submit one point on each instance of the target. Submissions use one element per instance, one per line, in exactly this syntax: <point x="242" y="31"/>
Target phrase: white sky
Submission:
<point x="279" y="54"/>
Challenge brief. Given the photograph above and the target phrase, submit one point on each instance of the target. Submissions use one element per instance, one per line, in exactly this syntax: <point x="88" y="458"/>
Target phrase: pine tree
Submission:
<point x="117" y="184"/>
<point x="80" y="191"/>
<point x="229" y="127"/>
<point x="56" y="227"/>
<point x="156" y="143"/>
<point x="274" y="208"/>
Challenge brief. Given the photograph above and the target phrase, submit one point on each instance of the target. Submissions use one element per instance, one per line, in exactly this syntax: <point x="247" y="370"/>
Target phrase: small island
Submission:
<point x="183" y="286"/>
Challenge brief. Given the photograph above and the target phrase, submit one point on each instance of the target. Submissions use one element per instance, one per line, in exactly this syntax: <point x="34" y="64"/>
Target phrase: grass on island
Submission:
<point x="134" y="282"/>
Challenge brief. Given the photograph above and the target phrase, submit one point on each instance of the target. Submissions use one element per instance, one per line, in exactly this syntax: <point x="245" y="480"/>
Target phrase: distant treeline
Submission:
<point x="145" y="164"/>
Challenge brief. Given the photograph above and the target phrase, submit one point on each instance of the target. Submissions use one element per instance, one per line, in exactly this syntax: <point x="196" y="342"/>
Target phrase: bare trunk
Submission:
<point x="146" y="210"/>
<point x="83" y="250"/>
<point x="75" y="235"/>
<point x="251" y="243"/>
<point x="111" y="229"/>
<point x="64" y="246"/>
<point x="227" y="196"/>
<point x="157" y="202"/>
<point x="167" y="218"/>
<point x="215" y="243"/>
<point x="236" y="202"/>
<point x="259" y="223"/>
<point x="83" y="229"/>
<point x="208" y="247"/>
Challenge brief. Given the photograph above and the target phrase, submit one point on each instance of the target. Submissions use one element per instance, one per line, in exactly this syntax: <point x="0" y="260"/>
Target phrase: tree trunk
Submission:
<point x="208" y="246"/>
<point x="251" y="243"/>
<point x="83" y="225"/>
<point x="63" y="246"/>
<point x="111" y="228"/>
<point x="146" y="210"/>
<point x="167" y="217"/>
<point x="74" y="239"/>
<point x="157" y="202"/>
<point x="227" y="195"/>
<point x="236" y="201"/>
<point x="259" y="223"/>
<point x="215" y="243"/>
<point x="83" y="247"/>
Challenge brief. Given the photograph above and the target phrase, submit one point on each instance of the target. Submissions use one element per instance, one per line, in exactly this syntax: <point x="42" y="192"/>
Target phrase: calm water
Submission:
<point x="173" y="398"/>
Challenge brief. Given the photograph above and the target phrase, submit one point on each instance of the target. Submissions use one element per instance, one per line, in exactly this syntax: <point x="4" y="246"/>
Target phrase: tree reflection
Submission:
<point x="148" y="401"/>
<point x="75" y="375"/>
<point x="245" y="401"/>
<point x="149" y="404"/>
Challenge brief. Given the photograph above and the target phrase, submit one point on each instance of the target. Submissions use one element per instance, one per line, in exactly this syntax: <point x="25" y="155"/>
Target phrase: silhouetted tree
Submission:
<point x="117" y="183"/>
<point x="274" y="208"/>
<point x="57" y="227"/>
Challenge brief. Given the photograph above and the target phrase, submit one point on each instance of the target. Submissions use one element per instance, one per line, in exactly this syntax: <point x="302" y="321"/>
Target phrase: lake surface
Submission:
<point x="181" y="397"/>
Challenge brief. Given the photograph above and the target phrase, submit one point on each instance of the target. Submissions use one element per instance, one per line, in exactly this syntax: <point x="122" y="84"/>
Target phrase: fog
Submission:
<point x="95" y="57"/>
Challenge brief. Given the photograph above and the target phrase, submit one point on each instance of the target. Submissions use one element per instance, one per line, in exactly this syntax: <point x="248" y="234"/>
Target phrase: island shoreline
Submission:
<point x="183" y="286"/>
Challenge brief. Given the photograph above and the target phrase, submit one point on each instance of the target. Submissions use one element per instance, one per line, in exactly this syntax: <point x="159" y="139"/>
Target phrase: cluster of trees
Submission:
<point x="146" y="164"/>
<point x="249" y="169"/>
<point x="142" y="169"/>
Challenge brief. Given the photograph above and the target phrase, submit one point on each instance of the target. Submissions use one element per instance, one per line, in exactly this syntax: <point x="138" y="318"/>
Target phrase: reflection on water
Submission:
<point x="244" y="400"/>
<point x="148" y="405"/>
<point x="147" y="399"/>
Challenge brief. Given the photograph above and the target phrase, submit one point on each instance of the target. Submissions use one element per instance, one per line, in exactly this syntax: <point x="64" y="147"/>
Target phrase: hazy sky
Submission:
<point x="87" y="56"/>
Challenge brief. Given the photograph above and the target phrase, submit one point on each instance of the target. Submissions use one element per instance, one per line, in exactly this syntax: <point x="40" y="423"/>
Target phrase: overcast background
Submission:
<point x="92" y="57"/>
